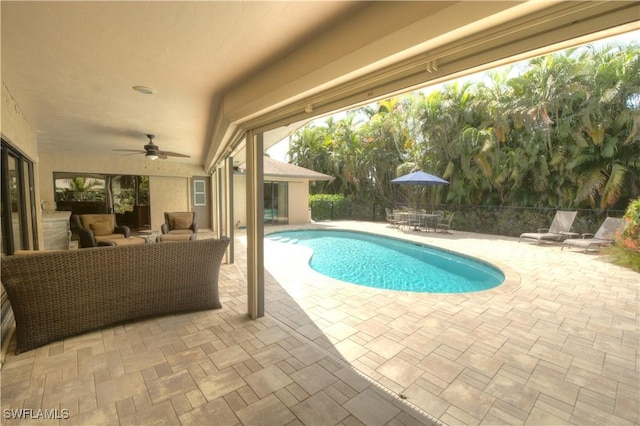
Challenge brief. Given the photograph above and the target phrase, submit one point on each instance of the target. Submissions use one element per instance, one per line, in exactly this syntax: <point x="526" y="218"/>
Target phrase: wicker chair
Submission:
<point x="179" y="226"/>
<point x="55" y="294"/>
<point x="94" y="229"/>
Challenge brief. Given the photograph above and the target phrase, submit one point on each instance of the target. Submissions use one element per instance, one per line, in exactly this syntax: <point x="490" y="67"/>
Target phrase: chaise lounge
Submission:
<point x="560" y="226"/>
<point x="605" y="235"/>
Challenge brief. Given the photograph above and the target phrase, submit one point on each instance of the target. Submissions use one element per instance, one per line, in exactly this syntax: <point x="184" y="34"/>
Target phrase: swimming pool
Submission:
<point x="392" y="264"/>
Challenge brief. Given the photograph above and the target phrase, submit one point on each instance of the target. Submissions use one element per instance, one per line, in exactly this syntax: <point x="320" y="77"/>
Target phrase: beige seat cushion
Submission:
<point x="181" y="232"/>
<point x="126" y="241"/>
<point x="110" y="237"/>
<point x="174" y="237"/>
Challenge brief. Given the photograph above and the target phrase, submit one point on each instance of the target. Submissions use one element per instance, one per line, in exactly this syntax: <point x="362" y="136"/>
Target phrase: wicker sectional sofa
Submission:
<point x="63" y="293"/>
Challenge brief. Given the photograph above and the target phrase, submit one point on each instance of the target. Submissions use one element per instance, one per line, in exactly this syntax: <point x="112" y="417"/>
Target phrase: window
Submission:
<point x="199" y="193"/>
<point x="18" y="202"/>
<point x="86" y="193"/>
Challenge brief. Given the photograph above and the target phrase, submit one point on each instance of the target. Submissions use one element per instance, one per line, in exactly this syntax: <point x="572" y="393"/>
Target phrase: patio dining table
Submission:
<point x="418" y="219"/>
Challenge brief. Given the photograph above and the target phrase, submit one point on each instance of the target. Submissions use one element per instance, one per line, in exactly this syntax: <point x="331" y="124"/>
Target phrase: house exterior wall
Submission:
<point x="298" y="198"/>
<point x="239" y="200"/>
<point x="299" y="202"/>
<point x="169" y="183"/>
<point x="167" y="194"/>
<point x="15" y="127"/>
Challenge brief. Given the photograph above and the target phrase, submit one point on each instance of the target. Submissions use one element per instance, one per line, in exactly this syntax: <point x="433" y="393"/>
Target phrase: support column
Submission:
<point x="255" y="225"/>
<point x="222" y="189"/>
<point x="229" y="208"/>
<point x="220" y="201"/>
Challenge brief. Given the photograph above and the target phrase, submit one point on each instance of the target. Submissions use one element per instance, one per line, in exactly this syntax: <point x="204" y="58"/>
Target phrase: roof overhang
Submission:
<point x="457" y="39"/>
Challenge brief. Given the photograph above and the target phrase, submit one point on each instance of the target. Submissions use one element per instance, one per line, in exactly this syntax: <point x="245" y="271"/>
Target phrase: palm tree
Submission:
<point x="605" y="156"/>
<point x="83" y="189"/>
<point x="309" y="147"/>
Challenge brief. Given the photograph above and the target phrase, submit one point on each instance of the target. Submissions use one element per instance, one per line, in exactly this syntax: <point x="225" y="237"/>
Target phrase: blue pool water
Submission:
<point x="391" y="264"/>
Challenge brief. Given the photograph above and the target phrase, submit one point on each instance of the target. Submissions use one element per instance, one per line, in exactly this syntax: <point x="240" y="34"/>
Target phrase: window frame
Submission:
<point x="26" y="220"/>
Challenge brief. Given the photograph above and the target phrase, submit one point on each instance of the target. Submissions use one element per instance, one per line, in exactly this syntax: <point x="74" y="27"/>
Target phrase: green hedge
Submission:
<point x="337" y="207"/>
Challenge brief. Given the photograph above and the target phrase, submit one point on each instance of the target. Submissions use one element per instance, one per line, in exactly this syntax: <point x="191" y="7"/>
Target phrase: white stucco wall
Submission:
<point x="239" y="200"/>
<point x="167" y="194"/>
<point x="299" y="202"/>
<point x="298" y="197"/>
<point x="16" y="129"/>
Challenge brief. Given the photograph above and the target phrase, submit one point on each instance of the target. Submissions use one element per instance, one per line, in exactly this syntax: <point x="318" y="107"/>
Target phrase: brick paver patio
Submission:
<point x="557" y="343"/>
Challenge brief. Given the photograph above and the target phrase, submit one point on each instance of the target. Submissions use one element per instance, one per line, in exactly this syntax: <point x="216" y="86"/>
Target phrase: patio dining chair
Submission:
<point x="444" y="224"/>
<point x="402" y="218"/>
<point x="392" y="218"/>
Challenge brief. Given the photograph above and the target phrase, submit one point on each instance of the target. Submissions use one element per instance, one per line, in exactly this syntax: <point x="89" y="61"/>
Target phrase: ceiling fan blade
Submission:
<point x="174" y="154"/>
<point x="137" y="151"/>
<point x="151" y="149"/>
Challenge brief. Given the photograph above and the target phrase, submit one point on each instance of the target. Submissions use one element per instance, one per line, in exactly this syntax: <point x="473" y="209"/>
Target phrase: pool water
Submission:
<point x="392" y="264"/>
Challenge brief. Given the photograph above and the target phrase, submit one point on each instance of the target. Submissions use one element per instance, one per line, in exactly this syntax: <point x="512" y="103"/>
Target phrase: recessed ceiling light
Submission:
<point x="144" y="90"/>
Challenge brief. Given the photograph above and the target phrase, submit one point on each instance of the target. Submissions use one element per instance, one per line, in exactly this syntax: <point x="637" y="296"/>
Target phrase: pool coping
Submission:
<point x="512" y="278"/>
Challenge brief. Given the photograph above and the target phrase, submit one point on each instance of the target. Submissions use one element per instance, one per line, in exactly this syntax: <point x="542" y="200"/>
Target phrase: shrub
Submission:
<point x="626" y="252"/>
<point x="326" y="206"/>
<point x="629" y="238"/>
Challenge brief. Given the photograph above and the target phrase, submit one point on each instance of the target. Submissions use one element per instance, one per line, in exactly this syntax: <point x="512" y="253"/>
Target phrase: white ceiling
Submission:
<point x="71" y="66"/>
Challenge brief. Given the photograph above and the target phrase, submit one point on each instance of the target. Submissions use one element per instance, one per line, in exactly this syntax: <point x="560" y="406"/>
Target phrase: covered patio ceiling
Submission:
<point x="71" y="66"/>
<point x="217" y="69"/>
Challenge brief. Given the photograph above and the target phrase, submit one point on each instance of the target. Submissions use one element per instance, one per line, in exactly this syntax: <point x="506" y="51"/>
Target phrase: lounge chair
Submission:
<point x="561" y="225"/>
<point x="605" y="235"/>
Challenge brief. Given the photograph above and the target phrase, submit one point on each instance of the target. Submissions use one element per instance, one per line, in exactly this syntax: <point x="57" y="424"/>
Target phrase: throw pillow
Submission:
<point x="101" y="228"/>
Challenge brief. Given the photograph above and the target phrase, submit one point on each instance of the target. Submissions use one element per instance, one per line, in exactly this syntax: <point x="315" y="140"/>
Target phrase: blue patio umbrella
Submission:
<point x="420" y="178"/>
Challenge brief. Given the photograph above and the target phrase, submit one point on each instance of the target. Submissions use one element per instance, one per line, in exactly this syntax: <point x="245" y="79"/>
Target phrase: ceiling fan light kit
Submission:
<point x="151" y="149"/>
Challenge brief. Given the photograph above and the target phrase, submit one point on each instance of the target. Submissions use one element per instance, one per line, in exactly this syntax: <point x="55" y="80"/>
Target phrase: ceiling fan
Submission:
<point x="152" y="152"/>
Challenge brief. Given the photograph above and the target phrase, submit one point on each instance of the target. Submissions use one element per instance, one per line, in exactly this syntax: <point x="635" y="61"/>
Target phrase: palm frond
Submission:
<point x="614" y="186"/>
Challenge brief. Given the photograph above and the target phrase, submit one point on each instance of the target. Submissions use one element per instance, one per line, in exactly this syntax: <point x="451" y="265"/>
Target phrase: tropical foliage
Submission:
<point x="629" y="237"/>
<point x="562" y="130"/>
<point x="80" y="189"/>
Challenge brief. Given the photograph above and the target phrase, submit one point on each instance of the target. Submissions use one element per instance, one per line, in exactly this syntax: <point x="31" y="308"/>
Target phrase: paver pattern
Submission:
<point x="557" y="343"/>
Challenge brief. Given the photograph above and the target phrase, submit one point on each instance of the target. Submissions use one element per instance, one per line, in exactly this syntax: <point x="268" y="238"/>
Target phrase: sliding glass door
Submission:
<point x="276" y="202"/>
<point x="18" y="202"/>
